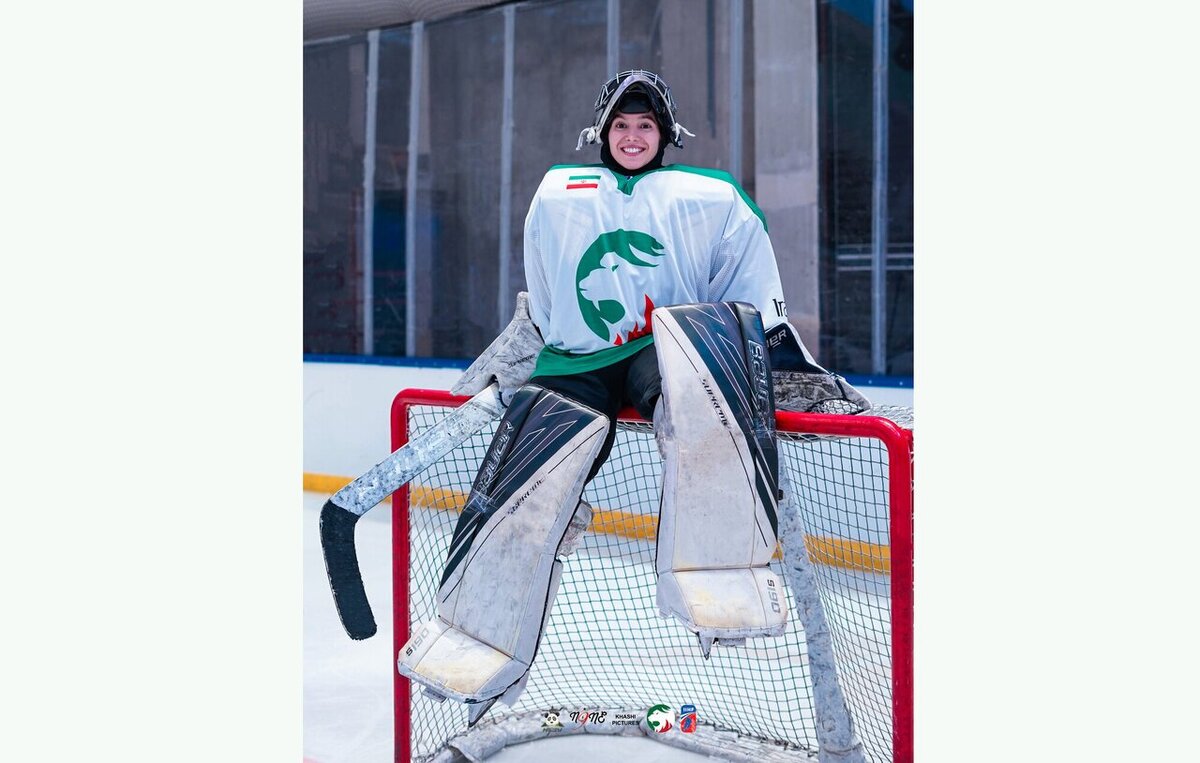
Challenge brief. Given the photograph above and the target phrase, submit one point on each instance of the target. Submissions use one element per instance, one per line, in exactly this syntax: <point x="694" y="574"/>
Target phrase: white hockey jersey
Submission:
<point x="602" y="251"/>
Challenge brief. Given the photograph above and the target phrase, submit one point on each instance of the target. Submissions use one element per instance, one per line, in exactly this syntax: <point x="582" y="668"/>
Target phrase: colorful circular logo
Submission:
<point x="659" y="718"/>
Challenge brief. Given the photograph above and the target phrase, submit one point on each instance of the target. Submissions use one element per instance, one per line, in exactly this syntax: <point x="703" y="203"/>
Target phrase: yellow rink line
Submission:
<point x="836" y="552"/>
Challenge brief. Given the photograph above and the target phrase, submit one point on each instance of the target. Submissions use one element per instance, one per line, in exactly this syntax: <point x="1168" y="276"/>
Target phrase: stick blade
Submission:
<point x="341" y="565"/>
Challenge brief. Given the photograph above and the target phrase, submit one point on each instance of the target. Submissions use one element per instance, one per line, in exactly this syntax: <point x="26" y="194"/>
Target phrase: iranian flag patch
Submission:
<point x="583" y="181"/>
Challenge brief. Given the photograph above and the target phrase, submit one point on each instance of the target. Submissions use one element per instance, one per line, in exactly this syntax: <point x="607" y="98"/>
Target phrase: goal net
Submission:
<point x="605" y="647"/>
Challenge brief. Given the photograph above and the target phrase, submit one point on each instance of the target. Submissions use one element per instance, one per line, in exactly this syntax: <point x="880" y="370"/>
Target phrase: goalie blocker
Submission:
<point x="501" y="573"/>
<point x="718" y="521"/>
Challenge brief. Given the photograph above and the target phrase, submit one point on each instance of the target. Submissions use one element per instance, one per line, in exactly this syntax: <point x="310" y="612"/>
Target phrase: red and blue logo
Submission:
<point x="688" y="719"/>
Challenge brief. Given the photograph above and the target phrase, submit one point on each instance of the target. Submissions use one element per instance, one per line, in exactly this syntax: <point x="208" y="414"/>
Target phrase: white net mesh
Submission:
<point x="605" y="645"/>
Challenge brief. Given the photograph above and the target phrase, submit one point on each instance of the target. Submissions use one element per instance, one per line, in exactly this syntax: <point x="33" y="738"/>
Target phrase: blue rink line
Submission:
<point x="857" y="380"/>
<point x="378" y="360"/>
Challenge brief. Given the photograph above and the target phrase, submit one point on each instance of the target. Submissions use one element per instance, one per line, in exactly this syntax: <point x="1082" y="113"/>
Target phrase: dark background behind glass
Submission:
<point x="846" y="51"/>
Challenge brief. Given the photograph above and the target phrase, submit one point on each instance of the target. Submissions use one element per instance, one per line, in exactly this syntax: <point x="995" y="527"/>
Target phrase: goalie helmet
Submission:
<point x="628" y="83"/>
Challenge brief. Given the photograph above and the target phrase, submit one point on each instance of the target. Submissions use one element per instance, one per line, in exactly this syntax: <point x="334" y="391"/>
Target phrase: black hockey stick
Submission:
<point x="340" y="513"/>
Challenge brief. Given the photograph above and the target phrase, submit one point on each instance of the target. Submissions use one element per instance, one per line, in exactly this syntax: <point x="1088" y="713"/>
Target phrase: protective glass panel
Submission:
<point x="459" y="173"/>
<point x="391" y="177"/>
<point x="846" y="40"/>
<point x="334" y="131"/>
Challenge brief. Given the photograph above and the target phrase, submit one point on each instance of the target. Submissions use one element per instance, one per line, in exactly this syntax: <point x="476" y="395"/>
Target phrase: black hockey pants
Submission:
<point x="633" y="381"/>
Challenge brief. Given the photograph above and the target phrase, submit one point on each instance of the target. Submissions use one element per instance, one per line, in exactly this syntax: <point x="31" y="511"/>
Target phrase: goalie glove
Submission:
<point x="802" y="385"/>
<point x="509" y="360"/>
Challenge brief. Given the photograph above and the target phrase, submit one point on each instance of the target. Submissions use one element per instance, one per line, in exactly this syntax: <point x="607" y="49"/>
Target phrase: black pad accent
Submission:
<point x="786" y="354"/>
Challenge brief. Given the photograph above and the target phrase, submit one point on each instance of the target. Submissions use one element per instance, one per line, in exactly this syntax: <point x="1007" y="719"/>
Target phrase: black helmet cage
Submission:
<point x="660" y="97"/>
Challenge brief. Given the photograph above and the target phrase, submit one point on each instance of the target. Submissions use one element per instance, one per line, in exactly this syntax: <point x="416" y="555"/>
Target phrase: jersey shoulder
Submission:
<point x="704" y="172"/>
<point x="714" y="180"/>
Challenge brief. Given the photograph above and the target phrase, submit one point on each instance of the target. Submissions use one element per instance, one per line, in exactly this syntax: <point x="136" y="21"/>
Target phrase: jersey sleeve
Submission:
<point x="746" y="271"/>
<point x="535" y="268"/>
<point x="744" y="268"/>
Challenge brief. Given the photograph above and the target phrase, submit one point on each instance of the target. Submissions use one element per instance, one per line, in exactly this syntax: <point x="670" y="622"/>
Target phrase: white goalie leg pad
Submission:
<point x="715" y="426"/>
<point x="501" y="574"/>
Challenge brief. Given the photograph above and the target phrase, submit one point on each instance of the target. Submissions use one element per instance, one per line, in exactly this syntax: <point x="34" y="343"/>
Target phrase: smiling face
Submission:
<point x="633" y="139"/>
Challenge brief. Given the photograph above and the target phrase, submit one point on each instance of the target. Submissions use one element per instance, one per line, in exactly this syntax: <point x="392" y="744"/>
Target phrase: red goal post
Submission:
<point x="897" y="562"/>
